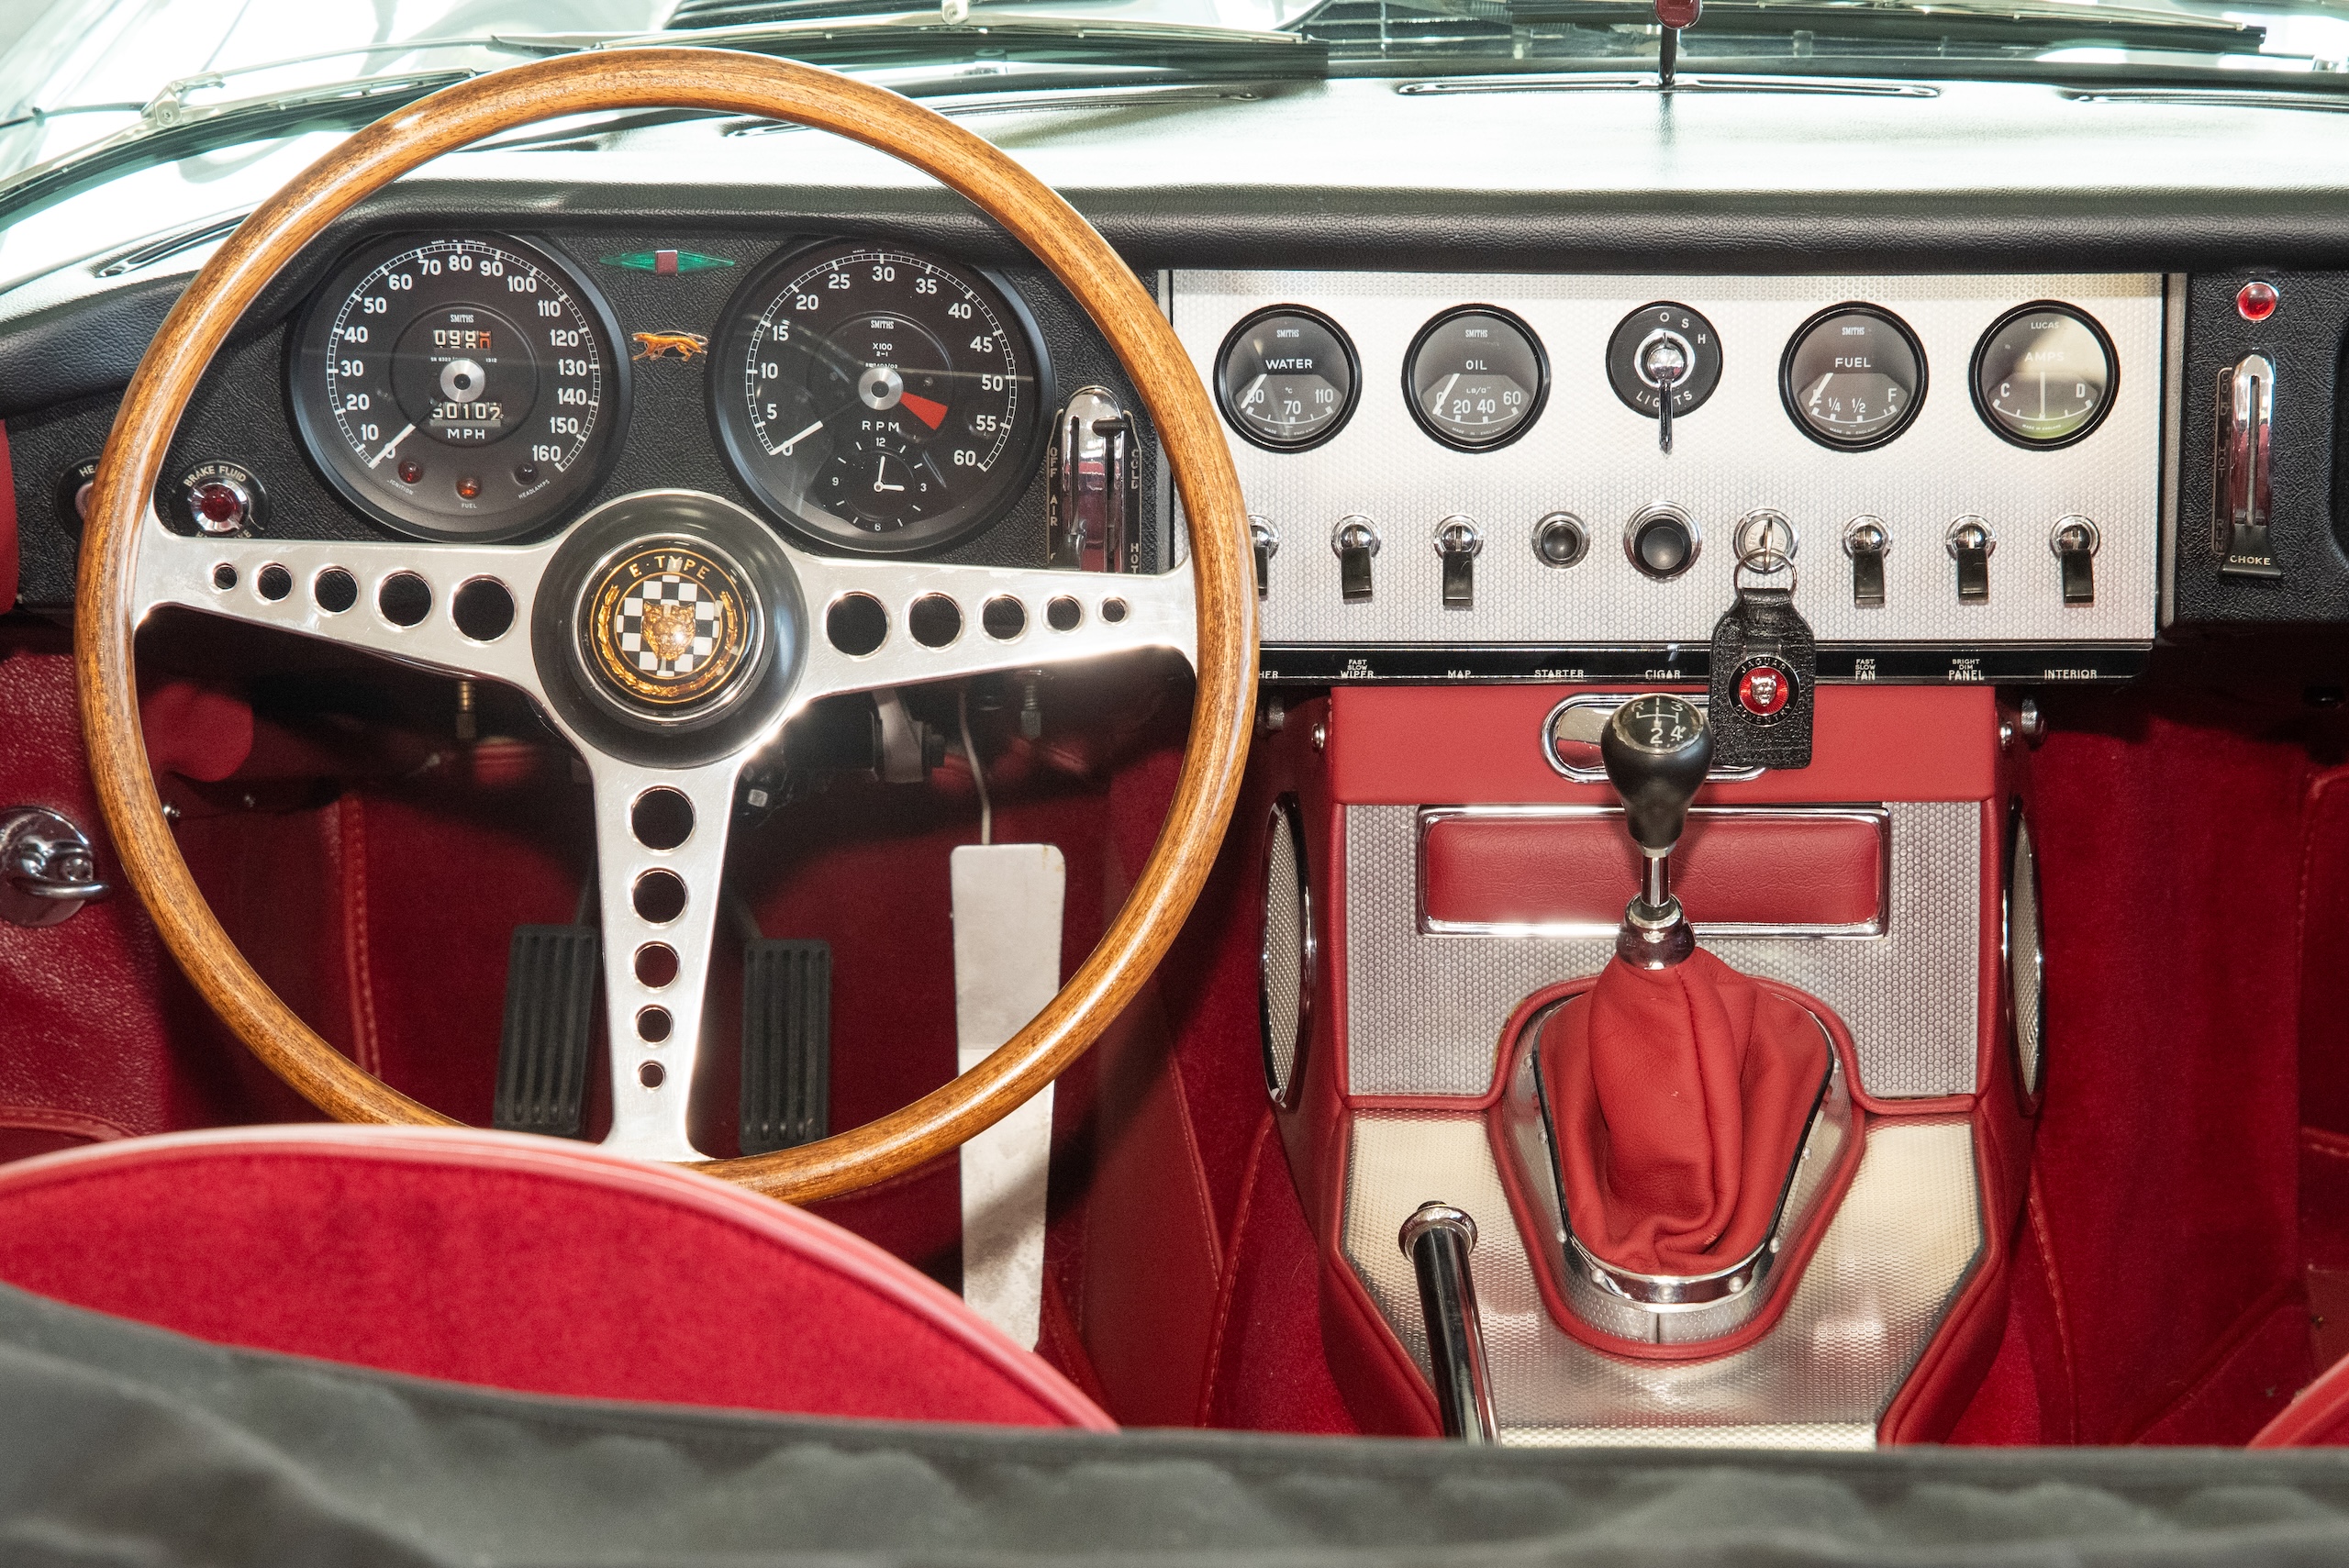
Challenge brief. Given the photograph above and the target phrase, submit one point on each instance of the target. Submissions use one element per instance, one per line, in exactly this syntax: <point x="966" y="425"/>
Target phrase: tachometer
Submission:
<point x="878" y="399"/>
<point x="460" y="387"/>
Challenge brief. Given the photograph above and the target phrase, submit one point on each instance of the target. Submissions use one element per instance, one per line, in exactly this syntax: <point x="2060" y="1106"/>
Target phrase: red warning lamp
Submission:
<point x="2255" y="301"/>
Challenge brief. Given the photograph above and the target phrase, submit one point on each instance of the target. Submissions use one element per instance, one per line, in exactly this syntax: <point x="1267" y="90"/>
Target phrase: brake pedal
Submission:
<point x="550" y="974"/>
<point x="786" y="1043"/>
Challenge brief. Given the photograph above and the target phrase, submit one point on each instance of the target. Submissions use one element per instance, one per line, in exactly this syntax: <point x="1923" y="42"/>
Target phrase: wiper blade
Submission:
<point x="921" y="37"/>
<point x="2034" y="23"/>
<point x="170" y="130"/>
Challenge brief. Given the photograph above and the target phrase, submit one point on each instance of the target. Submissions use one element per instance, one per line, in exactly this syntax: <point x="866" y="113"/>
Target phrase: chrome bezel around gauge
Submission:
<point x="789" y="502"/>
<point x="1870" y="442"/>
<point x="1320" y="433"/>
<point x="2104" y="405"/>
<point x="1540" y="389"/>
<point x="503" y="513"/>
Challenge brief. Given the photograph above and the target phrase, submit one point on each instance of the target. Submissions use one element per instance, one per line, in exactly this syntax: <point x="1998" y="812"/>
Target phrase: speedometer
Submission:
<point x="460" y="387"/>
<point x="878" y="399"/>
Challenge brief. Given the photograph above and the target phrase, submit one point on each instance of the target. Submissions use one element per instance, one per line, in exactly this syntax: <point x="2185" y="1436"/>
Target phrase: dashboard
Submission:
<point x="1473" y="483"/>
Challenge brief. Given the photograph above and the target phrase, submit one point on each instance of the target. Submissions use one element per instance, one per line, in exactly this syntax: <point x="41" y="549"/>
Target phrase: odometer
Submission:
<point x="460" y="387"/>
<point x="878" y="399"/>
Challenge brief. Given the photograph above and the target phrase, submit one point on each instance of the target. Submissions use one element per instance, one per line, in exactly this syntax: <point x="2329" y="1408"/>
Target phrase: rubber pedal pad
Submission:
<point x="786" y="1043"/>
<point x="549" y="1036"/>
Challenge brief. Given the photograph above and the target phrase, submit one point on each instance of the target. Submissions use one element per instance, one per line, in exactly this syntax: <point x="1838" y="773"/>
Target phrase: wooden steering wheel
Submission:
<point x="131" y="564"/>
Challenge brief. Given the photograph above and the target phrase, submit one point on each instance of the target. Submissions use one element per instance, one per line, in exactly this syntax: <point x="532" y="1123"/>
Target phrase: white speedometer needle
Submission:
<point x="785" y="450"/>
<point x="391" y="446"/>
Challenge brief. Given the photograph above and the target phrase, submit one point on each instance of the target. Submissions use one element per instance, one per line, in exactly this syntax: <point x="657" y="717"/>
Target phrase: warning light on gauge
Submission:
<point x="2255" y="301"/>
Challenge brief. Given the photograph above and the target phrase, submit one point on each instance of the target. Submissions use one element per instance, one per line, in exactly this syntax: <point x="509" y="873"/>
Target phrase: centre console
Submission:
<point x="1437" y="886"/>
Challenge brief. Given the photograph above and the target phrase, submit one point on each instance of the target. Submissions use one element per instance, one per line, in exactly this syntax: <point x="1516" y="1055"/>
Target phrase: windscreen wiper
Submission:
<point x="957" y="30"/>
<point x="2033" y="24"/>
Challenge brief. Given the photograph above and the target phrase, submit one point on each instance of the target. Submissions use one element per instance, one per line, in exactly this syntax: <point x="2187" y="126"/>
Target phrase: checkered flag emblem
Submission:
<point x="666" y="627"/>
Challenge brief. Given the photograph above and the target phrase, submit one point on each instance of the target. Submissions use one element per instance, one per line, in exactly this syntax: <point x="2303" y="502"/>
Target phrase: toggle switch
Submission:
<point x="1267" y="542"/>
<point x="1970" y="543"/>
<point x="2075" y="540"/>
<point x="1457" y="541"/>
<point x="1866" y="541"/>
<point x="1355" y="539"/>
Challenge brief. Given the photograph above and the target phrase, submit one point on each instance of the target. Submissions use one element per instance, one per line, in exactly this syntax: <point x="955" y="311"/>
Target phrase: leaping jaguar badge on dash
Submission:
<point x="668" y="345"/>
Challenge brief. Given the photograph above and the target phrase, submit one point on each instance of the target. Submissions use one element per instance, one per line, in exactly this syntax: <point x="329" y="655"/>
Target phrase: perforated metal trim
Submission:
<point x="1590" y="455"/>
<point x="1900" y="1247"/>
<point x="1284" y="971"/>
<point x="2026" y="970"/>
<point x="1425" y="1010"/>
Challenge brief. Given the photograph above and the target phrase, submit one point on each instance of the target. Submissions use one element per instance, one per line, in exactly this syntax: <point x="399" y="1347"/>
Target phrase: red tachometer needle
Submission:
<point x="928" y="413"/>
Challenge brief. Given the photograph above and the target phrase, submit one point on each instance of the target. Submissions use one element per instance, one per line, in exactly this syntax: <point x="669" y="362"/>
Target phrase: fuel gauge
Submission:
<point x="1853" y="377"/>
<point x="1286" y="378"/>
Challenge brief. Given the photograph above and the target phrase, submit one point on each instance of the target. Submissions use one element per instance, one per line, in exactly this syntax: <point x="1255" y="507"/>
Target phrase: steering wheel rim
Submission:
<point x="108" y="610"/>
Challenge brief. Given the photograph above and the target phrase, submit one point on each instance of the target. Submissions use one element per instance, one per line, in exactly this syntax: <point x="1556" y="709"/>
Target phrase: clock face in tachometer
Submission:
<point x="878" y="399"/>
<point x="462" y="387"/>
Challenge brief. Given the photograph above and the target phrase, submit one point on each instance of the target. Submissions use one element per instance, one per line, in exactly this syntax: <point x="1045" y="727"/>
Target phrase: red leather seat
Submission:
<point x="2318" y="1416"/>
<point x="518" y="1263"/>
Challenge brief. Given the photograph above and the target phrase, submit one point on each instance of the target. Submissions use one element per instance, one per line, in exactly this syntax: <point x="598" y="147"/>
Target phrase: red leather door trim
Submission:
<point x="1818" y="870"/>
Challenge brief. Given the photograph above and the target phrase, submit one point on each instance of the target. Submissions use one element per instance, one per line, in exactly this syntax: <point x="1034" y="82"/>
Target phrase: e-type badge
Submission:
<point x="669" y="624"/>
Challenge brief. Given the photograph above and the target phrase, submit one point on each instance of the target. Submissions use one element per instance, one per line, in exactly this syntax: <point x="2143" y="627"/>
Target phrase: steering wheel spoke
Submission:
<point x="889" y="623"/>
<point x="660" y="865"/>
<point x="464" y="609"/>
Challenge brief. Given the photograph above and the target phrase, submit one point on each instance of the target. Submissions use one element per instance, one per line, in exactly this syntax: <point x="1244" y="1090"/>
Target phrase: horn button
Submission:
<point x="668" y="628"/>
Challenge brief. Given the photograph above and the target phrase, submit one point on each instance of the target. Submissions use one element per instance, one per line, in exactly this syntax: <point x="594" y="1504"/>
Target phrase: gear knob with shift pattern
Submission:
<point x="1657" y="750"/>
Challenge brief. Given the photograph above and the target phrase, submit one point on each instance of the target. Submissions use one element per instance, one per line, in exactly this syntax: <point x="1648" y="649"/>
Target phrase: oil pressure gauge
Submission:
<point x="1286" y="378"/>
<point x="1853" y="377"/>
<point x="1475" y="378"/>
<point x="2044" y="376"/>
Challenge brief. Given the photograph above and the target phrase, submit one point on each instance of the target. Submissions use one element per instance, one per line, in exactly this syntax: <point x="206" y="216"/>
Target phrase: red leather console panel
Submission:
<point x="1733" y="867"/>
<point x="8" y="527"/>
<point x="1439" y="745"/>
<point x="518" y="1263"/>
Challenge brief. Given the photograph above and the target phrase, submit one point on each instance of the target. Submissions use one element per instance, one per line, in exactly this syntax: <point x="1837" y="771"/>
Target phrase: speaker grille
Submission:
<point x="2026" y="970"/>
<point x="1286" y="973"/>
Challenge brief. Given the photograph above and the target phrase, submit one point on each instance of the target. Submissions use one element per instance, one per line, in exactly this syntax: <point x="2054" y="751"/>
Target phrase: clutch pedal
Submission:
<point x="786" y="1043"/>
<point x="550" y="974"/>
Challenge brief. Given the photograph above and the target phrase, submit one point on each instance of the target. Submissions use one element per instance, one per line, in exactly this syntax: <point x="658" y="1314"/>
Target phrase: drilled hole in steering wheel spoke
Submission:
<point x="662" y="818"/>
<point x="659" y="897"/>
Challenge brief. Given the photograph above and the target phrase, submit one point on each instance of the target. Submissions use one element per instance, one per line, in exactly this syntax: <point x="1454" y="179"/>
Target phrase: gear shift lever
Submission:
<point x="1656" y="748"/>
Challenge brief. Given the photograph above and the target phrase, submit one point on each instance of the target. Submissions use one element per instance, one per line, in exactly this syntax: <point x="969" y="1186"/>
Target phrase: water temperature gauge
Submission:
<point x="1286" y="378"/>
